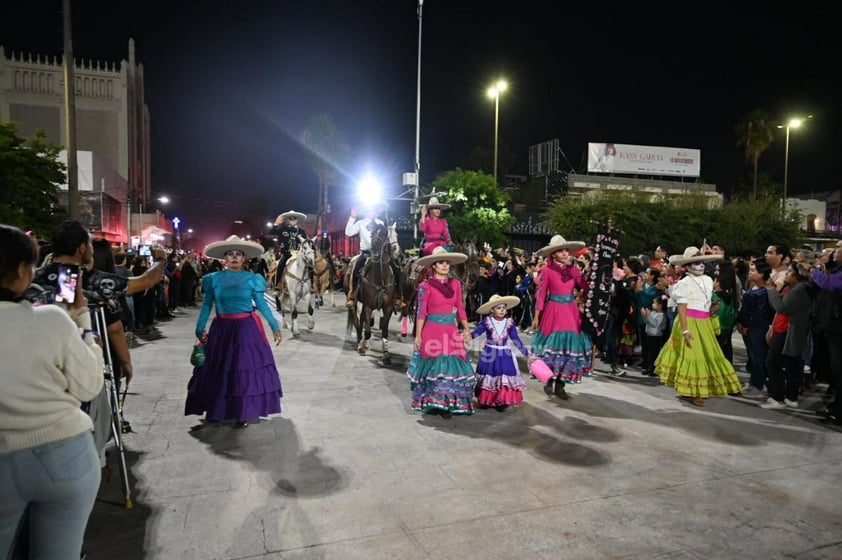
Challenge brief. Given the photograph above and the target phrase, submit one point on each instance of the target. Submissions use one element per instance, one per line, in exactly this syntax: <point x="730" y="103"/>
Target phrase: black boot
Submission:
<point x="548" y="388"/>
<point x="559" y="390"/>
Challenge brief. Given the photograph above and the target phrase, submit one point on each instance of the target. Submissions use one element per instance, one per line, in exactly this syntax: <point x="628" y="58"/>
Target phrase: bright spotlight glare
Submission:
<point x="370" y="190"/>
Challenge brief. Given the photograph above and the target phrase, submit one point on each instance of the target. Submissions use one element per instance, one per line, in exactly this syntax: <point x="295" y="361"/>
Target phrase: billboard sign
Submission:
<point x="643" y="160"/>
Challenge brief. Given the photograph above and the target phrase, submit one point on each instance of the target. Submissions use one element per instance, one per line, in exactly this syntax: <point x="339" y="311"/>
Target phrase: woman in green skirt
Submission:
<point x="692" y="361"/>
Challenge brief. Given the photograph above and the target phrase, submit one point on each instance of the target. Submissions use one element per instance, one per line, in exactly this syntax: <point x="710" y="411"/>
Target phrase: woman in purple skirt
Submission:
<point x="238" y="380"/>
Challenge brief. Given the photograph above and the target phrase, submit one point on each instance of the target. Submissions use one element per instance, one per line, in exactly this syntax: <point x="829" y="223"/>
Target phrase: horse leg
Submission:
<point x="384" y="329"/>
<point x="362" y="340"/>
<point x="367" y="338"/>
<point x="294" y="327"/>
<point x="311" y="321"/>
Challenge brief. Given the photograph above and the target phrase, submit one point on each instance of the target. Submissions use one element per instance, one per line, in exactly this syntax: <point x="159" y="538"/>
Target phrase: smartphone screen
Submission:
<point x="68" y="276"/>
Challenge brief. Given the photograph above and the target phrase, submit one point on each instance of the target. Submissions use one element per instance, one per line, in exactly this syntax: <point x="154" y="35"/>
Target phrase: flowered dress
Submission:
<point x="499" y="381"/>
<point x="435" y="232"/>
<point x="441" y="377"/>
<point x="558" y="340"/>
<point x="700" y="370"/>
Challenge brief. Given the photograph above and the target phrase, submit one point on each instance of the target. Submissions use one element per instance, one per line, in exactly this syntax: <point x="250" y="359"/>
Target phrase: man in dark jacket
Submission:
<point x="827" y="329"/>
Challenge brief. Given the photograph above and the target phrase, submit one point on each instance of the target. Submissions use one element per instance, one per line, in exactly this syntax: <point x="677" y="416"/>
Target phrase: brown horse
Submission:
<point x="322" y="276"/>
<point x="375" y="290"/>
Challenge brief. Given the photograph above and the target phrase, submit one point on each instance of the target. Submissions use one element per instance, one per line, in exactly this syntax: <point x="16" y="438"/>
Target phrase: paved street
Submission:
<point x="621" y="470"/>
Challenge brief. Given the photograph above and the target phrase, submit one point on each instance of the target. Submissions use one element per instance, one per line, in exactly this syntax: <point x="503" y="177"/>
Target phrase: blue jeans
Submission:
<point x="756" y="348"/>
<point x="58" y="481"/>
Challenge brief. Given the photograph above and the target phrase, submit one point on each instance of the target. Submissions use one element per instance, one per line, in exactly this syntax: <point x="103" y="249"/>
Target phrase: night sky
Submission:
<point x="230" y="85"/>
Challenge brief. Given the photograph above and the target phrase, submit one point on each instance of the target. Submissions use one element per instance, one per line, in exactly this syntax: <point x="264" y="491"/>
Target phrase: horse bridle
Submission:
<point x="301" y="255"/>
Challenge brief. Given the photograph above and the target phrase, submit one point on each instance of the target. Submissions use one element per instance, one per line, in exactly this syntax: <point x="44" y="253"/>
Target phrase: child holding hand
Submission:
<point x="499" y="382"/>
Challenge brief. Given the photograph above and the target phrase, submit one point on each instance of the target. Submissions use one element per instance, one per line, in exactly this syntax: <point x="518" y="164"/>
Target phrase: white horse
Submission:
<point x="296" y="287"/>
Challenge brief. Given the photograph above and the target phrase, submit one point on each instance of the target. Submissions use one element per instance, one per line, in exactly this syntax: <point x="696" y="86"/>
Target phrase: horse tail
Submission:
<point x="353" y="323"/>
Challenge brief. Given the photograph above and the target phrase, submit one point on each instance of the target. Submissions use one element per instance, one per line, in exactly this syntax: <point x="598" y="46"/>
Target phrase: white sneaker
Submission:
<point x="772" y="404"/>
<point x="790" y="404"/>
<point x="752" y="392"/>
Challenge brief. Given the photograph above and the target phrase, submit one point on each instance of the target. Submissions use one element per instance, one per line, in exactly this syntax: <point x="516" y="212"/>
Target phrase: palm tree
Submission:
<point x="328" y="153"/>
<point x="754" y="135"/>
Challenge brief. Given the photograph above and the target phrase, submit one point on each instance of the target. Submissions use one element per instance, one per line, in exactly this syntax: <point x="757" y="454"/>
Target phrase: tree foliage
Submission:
<point x="754" y="135"/>
<point x="479" y="209"/>
<point x="30" y="175"/>
<point x="744" y="226"/>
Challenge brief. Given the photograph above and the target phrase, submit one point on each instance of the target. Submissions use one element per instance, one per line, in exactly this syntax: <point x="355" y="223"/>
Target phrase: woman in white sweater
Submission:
<point x="50" y="364"/>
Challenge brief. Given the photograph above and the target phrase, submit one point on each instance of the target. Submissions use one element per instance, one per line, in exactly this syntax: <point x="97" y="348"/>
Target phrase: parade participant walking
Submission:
<point x="499" y="382"/>
<point x="557" y="324"/>
<point x="433" y="226"/>
<point x="691" y="361"/>
<point x="440" y="374"/>
<point x="239" y="380"/>
<point x="289" y="235"/>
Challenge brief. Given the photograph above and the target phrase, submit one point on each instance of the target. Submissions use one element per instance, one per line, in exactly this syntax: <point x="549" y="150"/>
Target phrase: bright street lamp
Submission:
<point x="494" y="93"/>
<point x="792" y="123"/>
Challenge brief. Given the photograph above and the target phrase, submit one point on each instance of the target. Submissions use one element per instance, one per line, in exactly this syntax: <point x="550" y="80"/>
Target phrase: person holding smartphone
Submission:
<point x="48" y="460"/>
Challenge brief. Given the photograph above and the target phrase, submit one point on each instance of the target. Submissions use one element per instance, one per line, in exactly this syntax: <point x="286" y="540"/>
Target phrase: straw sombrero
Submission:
<point x="495" y="300"/>
<point x="291" y="214"/>
<point x="249" y="248"/>
<point x="440" y="254"/>
<point x="434" y="203"/>
<point x="557" y="243"/>
<point x="692" y="255"/>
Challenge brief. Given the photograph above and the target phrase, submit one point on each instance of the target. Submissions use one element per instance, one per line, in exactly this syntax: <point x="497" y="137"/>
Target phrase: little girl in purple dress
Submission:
<point x="499" y="382"/>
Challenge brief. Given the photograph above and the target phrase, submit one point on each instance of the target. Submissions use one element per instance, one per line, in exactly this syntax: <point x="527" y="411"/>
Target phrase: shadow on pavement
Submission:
<point x="272" y="446"/>
<point x="114" y="531"/>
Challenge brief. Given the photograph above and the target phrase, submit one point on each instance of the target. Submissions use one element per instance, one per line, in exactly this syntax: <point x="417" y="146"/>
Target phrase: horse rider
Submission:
<point x="364" y="228"/>
<point x="434" y="227"/>
<point x="290" y="235"/>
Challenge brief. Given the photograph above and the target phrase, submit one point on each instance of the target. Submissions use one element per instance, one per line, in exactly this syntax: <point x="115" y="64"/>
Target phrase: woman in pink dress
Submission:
<point x="558" y="339"/>
<point x="441" y="377"/>
<point x="433" y="226"/>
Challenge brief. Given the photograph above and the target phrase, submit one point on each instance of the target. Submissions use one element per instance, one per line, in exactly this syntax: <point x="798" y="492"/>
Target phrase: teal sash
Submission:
<point x="442" y="318"/>
<point x="562" y="299"/>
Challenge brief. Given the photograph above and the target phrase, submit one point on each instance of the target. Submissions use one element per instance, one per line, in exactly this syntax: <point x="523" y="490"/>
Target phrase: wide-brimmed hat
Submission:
<point x="692" y="255"/>
<point x="434" y="203"/>
<point x="440" y="254"/>
<point x="291" y="214"/>
<point x="250" y="249"/>
<point x="495" y="300"/>
<point x="557" y="243"/>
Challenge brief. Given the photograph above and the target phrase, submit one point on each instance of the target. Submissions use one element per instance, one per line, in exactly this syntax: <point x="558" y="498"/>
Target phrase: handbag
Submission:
<point x="197" y="356"/>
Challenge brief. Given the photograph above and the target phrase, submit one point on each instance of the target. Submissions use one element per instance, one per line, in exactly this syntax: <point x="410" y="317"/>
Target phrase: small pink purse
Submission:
<point x="541" y="370"/>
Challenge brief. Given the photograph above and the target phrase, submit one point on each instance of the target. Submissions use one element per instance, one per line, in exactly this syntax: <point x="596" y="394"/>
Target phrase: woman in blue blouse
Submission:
<point x="238" y="380"/>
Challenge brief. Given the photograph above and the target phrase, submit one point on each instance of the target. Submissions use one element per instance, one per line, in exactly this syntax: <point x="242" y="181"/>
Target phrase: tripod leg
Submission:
<point x="116" y="430"/>
<point x="114" y="402"/>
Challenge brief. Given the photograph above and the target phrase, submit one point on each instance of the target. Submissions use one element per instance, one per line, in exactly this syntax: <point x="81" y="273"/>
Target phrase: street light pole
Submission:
<point x="417" y="125"/>
<point x="494" y="92"/>
<point x="496" y="128"/>
<point x="792" y="123"/>
<point x="786" y="170"/>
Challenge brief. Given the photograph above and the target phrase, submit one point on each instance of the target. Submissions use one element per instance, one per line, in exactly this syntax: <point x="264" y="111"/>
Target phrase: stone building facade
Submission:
<point x="112" y="126"/>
